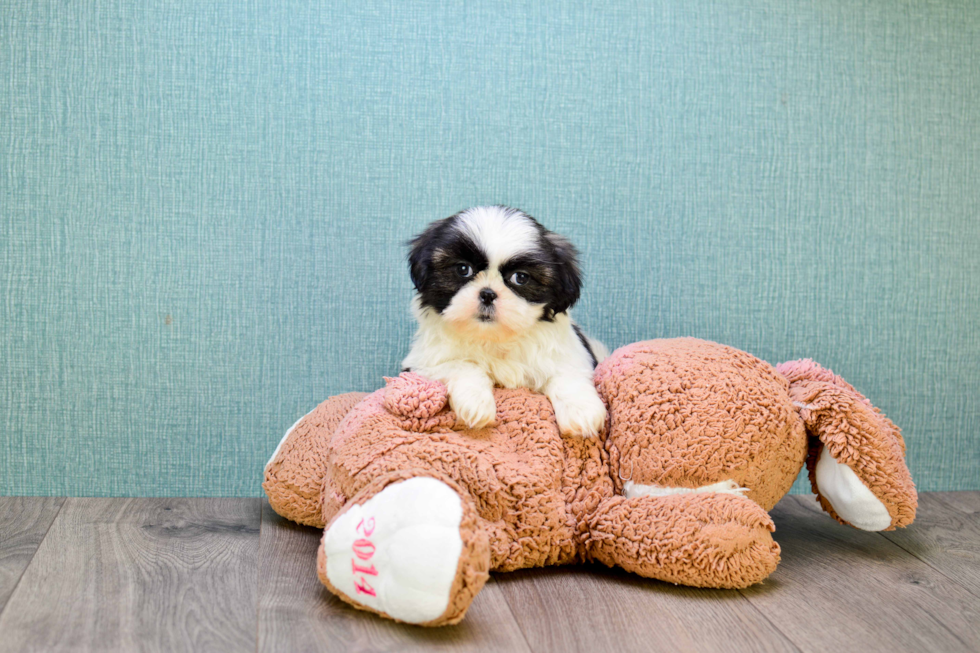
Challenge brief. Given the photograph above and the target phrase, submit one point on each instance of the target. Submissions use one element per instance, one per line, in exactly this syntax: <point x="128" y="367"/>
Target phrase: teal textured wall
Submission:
<point x="203" y="206"/>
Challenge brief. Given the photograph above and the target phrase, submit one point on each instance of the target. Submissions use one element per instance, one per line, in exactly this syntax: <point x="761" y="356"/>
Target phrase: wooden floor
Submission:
<point x="230" y="575"/>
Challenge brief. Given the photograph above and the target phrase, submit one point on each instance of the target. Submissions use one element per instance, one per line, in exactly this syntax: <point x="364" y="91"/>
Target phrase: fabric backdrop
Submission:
<point x="204" y="206"/>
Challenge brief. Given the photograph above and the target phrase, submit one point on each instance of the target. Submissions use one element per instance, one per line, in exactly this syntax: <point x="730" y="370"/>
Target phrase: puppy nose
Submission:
<point x="487" y="296"/>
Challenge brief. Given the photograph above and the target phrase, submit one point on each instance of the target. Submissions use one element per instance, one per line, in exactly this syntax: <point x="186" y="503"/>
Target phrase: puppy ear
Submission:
<point x="568" y="278"/>
<point x="420" y="253"/>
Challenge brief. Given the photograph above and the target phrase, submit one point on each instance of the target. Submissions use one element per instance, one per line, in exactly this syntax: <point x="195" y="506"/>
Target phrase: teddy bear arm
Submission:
<point x="294" y="475"/>
<point x="699" y="539"/>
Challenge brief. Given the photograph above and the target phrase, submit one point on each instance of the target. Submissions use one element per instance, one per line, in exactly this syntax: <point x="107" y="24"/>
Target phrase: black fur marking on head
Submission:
<point x="554" y="269"/>
<point x="432" y="260"/>
<point x="555" y="280"/>
<point x="540" y="286"/>
<point x="569" y="281"/>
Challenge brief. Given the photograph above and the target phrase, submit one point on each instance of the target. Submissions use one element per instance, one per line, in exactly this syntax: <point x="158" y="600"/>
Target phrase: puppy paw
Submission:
<point x="579" y="413"/>
<point x="474" y="405"/>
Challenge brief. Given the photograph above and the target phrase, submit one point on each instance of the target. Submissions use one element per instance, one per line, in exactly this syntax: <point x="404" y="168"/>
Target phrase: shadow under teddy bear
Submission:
<point x="701" y="441"/>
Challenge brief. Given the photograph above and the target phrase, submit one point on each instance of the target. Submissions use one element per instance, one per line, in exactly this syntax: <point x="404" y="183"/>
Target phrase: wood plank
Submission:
<point x="592" y="608"/>
<point x="838" y="588"/>
<point x="967" y="502"/>
<point x="296" y="613"/>
<point x="23" y="524"/>
<point x="946" y="536"/>
<point x="140" y="574"/>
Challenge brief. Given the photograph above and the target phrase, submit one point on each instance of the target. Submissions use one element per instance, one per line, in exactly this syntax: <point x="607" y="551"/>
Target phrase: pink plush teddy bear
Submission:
<point x="701" y="441"/>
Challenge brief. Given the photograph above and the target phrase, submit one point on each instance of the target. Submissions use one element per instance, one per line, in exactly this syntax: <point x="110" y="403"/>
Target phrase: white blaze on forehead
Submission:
<point x="501" y="233"/>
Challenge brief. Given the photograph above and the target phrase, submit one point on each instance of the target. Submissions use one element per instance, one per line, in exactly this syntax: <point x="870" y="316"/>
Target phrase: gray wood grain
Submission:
<point x="946" y="536"/>
<point x="841" y="589"/>
<point x="140" y="574"/>
<point x="296" y="613"/>
<point x="197" y="574"/>
<point x="592" y="608"/>
<point x="23" y="524"/>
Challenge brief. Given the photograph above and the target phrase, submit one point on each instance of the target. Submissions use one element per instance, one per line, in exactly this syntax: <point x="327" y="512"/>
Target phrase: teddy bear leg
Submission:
<point x="857" y="455"/>
<point x="848" y="496"/>
<point x="700" y="539"/>
<point x="858" y="471"/>
<point x="410" y="547"/>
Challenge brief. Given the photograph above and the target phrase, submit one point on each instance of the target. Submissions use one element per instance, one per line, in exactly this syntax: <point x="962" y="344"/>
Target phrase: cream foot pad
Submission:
<point x="851" y="499"/>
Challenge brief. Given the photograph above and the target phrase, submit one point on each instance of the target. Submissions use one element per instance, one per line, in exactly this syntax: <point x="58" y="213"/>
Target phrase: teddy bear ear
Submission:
<point x="412" y="395"/>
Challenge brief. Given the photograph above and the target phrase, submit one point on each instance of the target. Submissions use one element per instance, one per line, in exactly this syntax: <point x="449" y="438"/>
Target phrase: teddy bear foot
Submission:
<point x="857" y="464"/>
<point x="848" y="496"/>
<point x="410" y="549"/>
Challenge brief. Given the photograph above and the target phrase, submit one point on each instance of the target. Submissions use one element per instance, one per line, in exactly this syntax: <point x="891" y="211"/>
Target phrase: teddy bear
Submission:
<point x="701" y="441"/>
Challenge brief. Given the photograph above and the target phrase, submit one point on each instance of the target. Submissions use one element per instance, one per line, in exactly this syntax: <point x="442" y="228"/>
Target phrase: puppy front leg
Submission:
<point x="578" y="408"/>
<point x="470" y="392"/>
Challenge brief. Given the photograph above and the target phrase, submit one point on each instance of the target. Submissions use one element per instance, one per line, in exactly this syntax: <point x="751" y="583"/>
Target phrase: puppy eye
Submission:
<point x="519" y="278"/>
<point x="464" y="270"/>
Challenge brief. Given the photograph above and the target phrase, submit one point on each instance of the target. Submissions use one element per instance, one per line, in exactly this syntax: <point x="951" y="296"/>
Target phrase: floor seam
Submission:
<point x="33" y="555"/>
<point x="517" y="623"/>
<point x="939" y="571"/>
<point x="769" y="621"/>
<point x="941" y="623"/>
<point x="799" y="499"/>
<point x="929" y="564"/>
<point x="258" y="576"/>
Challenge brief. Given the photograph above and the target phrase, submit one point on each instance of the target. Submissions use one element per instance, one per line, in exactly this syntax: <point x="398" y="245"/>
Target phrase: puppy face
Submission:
<point x="493" y="272"/>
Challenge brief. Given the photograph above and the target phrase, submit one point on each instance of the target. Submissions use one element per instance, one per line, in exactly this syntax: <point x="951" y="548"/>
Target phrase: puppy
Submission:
<point x="493" y="292"/>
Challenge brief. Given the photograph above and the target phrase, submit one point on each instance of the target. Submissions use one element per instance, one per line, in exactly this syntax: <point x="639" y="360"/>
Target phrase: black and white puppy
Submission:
<point x="493" y="292"/>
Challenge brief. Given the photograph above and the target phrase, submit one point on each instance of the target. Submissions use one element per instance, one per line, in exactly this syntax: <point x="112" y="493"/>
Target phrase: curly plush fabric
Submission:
<point x="703" y="540"/>
<point x="687" y="413"/>
<point x="703" y="440"/>
<point x="514" y="472"/>
<point x="294" y="476"/>
<point x="472" y="569"/>
<point x="857" y="435"/>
